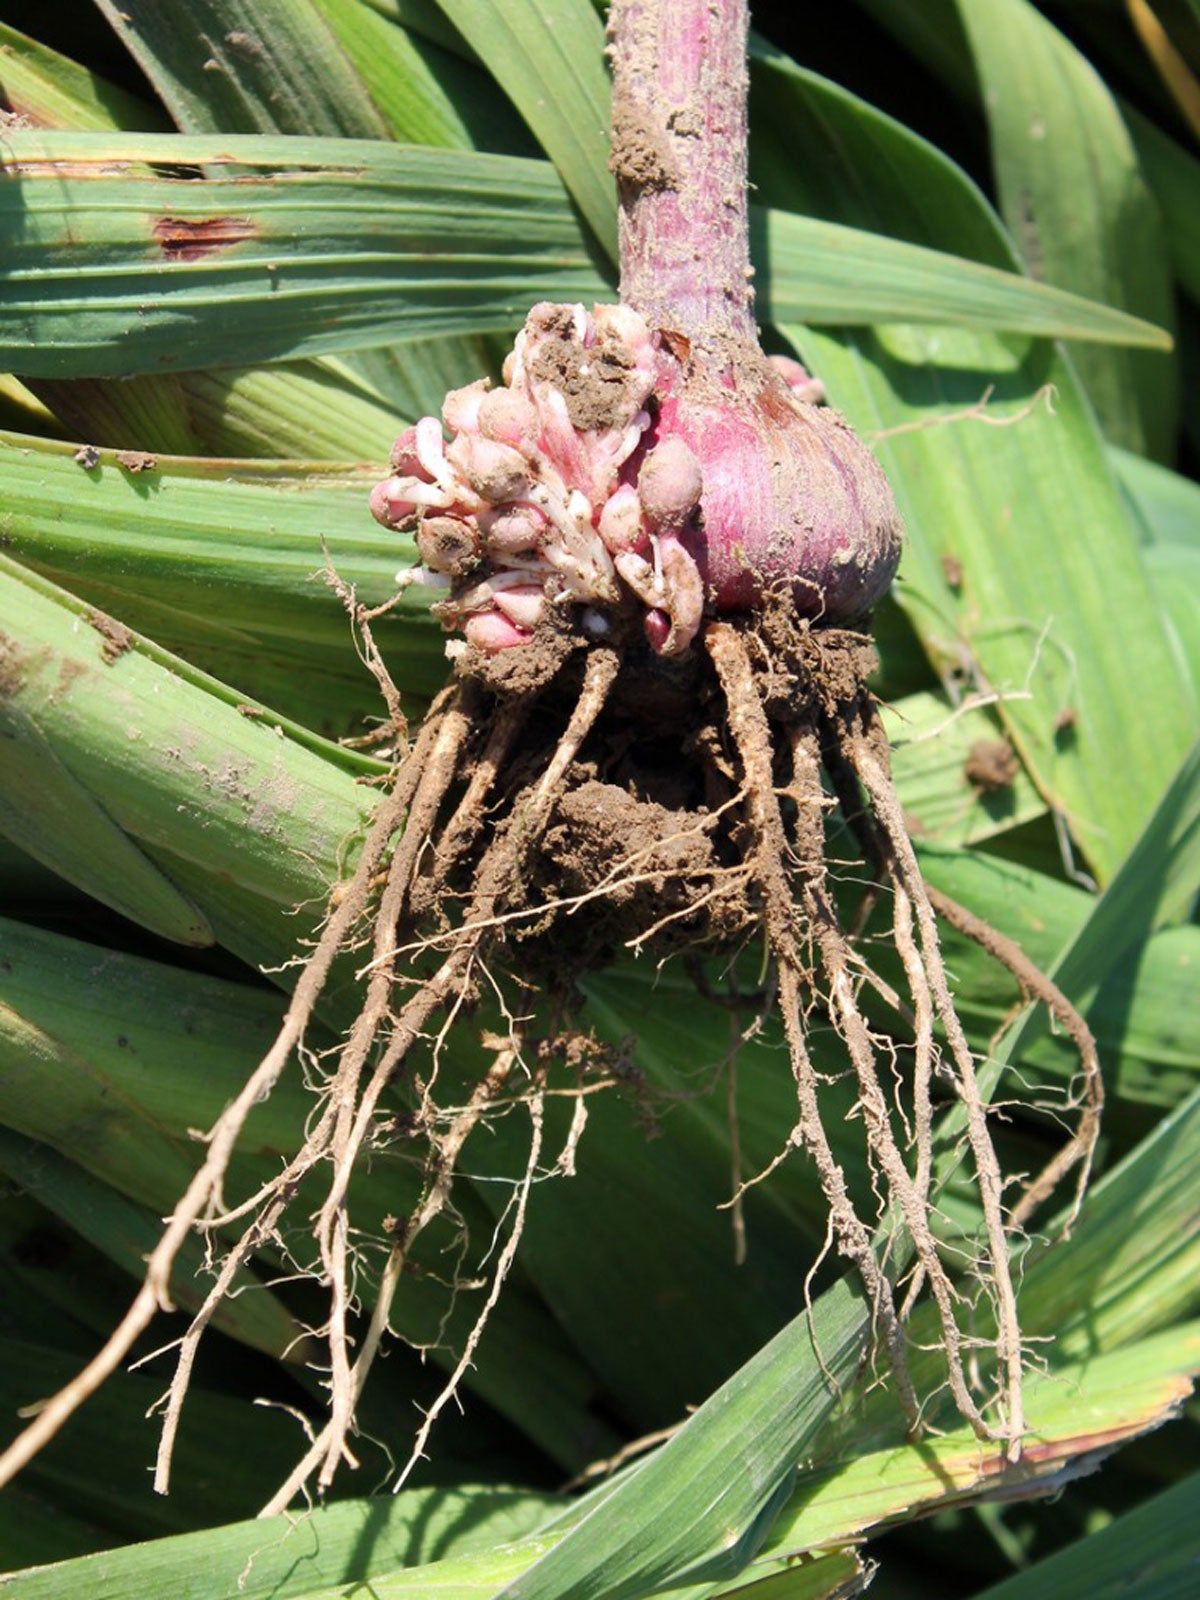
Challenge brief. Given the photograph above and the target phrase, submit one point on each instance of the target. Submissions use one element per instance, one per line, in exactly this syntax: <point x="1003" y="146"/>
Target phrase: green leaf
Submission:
<point x="125" y="1232"/>
<point x="1173" y="175"/>
<point x="548" y="55"/>
<point x="304" y="245"/>
<point x="54" y="817"/>
<point x="225" y="560"/>
<point x="823" y="271"/>
<point x="1166" y="505"/>
<point x="932" y="749"/>
<point x="834" y="1576"/>
<point x="424" y="94"/>
<point x="1132" y="1265"/>
<point x="227" y="1447"/>
<point x="301" y="245"/>
<point x="1076" y="205"/>
<point x="347" y="1544"/>
<point x="31" y="1531"/>
<point x="1150" y="1553"/>
<point x="312" y="409"/>
<point x="1175" y="571"/>
<point x="1156" y="886"/>
<point x="1025" y="609"/>
<point x="304" y="409"/>
<point x="247" y="66"/>
<point x="700" y="1508"/>
<point x="1076" y="1414"/>
<point x="1082" y="1411"/>
<point x="113" y="1062"/>
<point x="1166" y="512"/>
<point x="173" y="765"/>
<point x="51" y="91"/>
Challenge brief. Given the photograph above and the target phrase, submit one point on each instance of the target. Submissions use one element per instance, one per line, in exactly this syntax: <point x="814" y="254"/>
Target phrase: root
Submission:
<point x="751" y="736"/>
<point x="810" y="687"/>
<point x="877" y="782"/>
<point x="440" y="1169"/>
<point x="332" y="1225"/>
<point x="495" y="831"/>
<point x="498" y="872"/>
<point x="406" y="824"/>
<point x="1035" y="985"/>
<point x="461" y="832"/>
<point x="911" y="1204"/>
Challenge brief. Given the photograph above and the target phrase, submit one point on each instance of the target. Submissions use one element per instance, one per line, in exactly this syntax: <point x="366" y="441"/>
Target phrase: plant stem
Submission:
<point x="679" y="156"/>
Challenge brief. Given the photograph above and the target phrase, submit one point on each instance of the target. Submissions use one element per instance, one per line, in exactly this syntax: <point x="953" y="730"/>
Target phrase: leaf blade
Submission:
<point x="352" y="244"/>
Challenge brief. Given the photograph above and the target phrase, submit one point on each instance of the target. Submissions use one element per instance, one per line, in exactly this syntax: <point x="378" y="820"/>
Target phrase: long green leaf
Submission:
<point x="827" y="1577"/>
<point x="51" y="91"/>
<point x="938" y="758"/>
<point x="348" y="1545"/>
<point x="304" y="245"/>
<point x="1157" y="884"/>
<point x="225" y="558"/>
<point x="1166" y="504"/>
<point x="178" y="770"/>
<point x="1150" y="1553"/>
<point x="247" y="66"/>
<point x="825" y="272"/>
<point x="225" y="1448"/>
<point x="312" y="409"/>
<point x="55" y="818"/>
<point x="426" y="92"/>
<point x="1077" y="1415"/>
<point x="1173" y="174"/>
<point x="549" y="57"/>
<point x="1076" y="204"/>
<point x="372" y="240"/>
<point x="112" y="1062"/>
<point x="1085" y="1411"/>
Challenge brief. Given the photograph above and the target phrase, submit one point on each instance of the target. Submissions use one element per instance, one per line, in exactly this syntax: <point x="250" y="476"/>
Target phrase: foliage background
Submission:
<point x="957" y="199"/>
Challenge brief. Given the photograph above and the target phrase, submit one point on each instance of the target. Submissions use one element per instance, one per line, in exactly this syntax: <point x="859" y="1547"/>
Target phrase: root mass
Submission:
<point x="570" y="800"/>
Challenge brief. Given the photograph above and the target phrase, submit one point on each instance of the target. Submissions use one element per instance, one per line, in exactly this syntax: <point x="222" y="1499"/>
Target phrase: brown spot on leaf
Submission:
<point x="116" y="637"/>
<point x="87" y="456"/>
<point x="12" y="667"/>
<point x="69" y="673"/>
<point x="136" y="460"/>
<point x="991" y="765"/>
<point x="185" y="239"/>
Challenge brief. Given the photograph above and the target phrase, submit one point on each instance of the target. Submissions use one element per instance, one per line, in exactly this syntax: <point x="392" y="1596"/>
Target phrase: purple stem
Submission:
<point x="679" y="156"/>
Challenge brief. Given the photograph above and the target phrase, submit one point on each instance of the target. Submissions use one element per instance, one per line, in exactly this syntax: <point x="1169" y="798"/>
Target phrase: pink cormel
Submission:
<point x="544" y="482"/>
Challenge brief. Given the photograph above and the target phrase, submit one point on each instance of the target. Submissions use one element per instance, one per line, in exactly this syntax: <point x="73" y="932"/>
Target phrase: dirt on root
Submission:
<point x="514" y="674"/>
<point x="648" y="844"/>
<point x="596" y="383"/>
<point x="635" y="863"/>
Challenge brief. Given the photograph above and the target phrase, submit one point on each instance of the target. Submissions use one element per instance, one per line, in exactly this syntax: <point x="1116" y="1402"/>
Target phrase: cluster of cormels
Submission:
<point x="592" y="479"/>
<point x="550" y="492"/>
